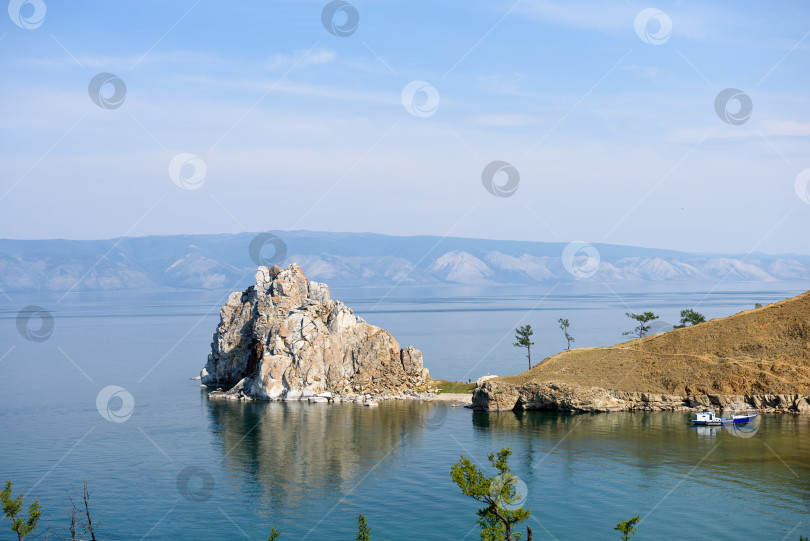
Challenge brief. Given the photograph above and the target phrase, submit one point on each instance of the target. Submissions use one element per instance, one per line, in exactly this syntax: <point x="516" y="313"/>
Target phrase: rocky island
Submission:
<point x="284" y="338"/>
<point x="755" y="360"/>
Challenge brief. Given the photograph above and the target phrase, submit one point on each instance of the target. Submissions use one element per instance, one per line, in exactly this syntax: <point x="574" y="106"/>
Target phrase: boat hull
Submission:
<point x="736" y="420"/>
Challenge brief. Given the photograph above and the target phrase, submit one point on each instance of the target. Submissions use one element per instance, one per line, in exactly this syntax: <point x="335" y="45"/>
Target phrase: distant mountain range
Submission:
<point x="361" y="259"/>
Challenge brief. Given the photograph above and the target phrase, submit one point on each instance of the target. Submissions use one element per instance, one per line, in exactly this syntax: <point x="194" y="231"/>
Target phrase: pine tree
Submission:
<point x="363" y="531"/>
<point x="690" y="317"/>
<point x="523" y="335"/>
<point x="498" y="494"/>
<point x="22" y="526"/>
<point x="642" y="329"/>
<point x="564" y="327"/>
<point x="627" y="527"/>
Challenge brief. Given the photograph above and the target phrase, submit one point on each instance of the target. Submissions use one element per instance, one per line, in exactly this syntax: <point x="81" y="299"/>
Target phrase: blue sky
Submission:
<point x="615" y="139"/>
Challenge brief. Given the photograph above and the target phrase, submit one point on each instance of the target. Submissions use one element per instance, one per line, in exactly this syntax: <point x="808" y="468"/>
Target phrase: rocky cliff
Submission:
<point x="284" y="338"/>
<point x="757" y="359"/>
<point x="503" y="396"/>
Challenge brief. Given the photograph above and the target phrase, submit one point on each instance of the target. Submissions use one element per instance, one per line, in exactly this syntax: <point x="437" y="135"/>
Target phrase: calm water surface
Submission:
<point x="183" y="467"/>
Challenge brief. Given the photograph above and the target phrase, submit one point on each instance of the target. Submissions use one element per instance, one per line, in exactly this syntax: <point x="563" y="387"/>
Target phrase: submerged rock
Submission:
<point x="285" y="338"/>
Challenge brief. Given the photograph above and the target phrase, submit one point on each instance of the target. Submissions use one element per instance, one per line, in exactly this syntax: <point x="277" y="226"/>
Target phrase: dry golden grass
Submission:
<point x="761" y="351"/>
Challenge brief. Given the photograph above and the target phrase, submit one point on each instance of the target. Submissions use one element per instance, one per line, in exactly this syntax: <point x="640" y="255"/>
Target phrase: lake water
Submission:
<point x="183" y="467"/>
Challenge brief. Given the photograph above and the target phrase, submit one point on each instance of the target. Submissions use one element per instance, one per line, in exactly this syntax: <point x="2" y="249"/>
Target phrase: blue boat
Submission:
<point x="708" y="418"/>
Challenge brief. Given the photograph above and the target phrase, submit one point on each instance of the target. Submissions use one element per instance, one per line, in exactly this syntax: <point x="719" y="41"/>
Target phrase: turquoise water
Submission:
<point x="184" y="467"/>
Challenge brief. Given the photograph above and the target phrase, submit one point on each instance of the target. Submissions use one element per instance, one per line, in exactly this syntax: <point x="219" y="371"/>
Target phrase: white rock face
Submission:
<point x="284" y="338"/>
<point x="461" y="267"/>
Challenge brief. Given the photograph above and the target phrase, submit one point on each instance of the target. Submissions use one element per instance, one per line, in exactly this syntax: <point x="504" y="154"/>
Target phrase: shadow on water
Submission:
<point x="291" y="452"/>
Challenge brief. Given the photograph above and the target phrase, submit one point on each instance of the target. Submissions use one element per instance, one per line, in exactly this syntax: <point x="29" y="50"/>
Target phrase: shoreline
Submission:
<point x="461" y="399"/>
<point x="498" y="396"/>
<point x="455" y="399"/>
<point x="563" y="397"/>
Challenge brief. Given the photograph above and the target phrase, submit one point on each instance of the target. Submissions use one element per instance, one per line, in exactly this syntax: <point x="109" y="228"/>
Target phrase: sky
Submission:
<point x="608" y="122"/>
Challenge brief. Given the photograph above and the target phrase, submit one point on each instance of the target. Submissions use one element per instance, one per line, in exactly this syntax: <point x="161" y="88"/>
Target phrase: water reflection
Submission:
<point x="708" y="431"/>
<point x="655" y="445"/>
<point x="290" y="452"/>
<point x="285" y="459"/>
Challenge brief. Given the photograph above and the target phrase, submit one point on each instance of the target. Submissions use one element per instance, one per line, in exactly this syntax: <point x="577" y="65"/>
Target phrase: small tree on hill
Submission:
<point x="642" y="319"/>
<point x="627" y="527"/>
<point x="523" y="335"/>
<point x="690" y="317"/>
<point x="564" y="327"/>
<point x="363" y="531"/>
<point x="20" y="525"/>
<point x="497" y="493"/>
<point x="274" y="535"/>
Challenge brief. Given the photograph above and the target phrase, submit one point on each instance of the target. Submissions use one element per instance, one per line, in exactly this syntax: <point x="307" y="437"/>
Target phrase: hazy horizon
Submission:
<point x="449" y="237"/>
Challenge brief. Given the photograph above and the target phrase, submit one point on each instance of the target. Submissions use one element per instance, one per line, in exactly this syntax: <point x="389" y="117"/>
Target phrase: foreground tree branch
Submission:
<point x="498" y="494"/>
<point x="81" y="520"/>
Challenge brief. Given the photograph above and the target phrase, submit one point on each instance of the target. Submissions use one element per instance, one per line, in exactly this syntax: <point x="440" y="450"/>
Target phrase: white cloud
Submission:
<point x="505" y="120"/>
<point x="786" y="127"/>
<point x="301" y="57"/>
<point x="506" y="84"/>
<point x="604" y="17"/>
<point x="648" y="73"/>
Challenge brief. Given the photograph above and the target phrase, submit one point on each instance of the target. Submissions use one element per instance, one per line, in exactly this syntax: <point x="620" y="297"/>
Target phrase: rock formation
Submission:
<point x="284" y="338"/>
<point x="504" y="396"/>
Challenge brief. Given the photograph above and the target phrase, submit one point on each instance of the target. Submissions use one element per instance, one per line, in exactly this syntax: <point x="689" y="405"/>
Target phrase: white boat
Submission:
<point x="709" y="418"/>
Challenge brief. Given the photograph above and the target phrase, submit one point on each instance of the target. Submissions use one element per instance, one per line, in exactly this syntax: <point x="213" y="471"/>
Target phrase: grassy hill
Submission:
<point x="761" y="351"/>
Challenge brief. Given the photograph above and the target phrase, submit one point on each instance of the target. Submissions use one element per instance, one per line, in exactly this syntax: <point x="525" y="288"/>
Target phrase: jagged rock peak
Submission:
<point x="285" y="338"/>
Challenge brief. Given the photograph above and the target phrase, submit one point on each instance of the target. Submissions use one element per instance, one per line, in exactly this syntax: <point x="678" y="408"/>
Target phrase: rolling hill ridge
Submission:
<point x="359" y="259"/>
